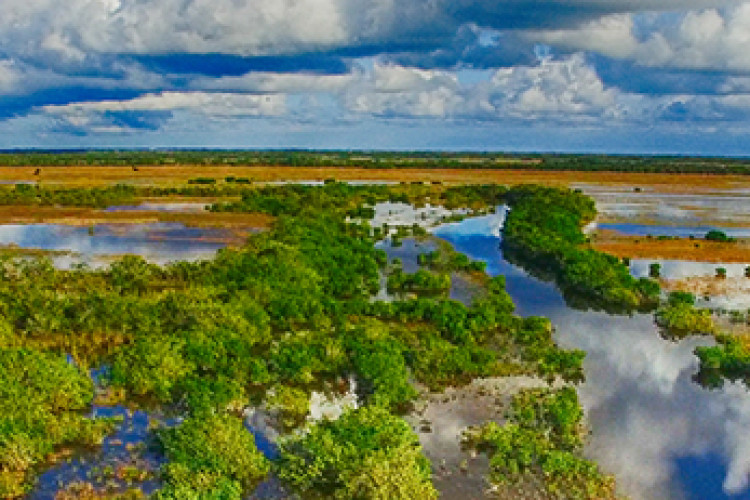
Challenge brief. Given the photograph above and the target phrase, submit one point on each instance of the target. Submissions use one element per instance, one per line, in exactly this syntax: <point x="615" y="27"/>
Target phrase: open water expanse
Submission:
<point x="660" y="433"/>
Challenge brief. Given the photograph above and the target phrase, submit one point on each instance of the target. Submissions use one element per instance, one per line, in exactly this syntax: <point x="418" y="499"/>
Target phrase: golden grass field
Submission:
<point x="178" y="175"/>
<point x="86" y="216"/>
<point x="639" y="247"/>
<point x="171" y="175"/>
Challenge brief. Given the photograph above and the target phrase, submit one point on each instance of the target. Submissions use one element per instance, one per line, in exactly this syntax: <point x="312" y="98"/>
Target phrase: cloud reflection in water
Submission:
<point x="652" y="426"/>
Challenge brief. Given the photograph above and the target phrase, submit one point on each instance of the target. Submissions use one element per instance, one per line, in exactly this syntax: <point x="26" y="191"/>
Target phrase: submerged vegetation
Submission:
<point x="421" y="282"/>
<point x="446" y="259"/>
<point x="542" y="443"/>
<point x="41" y="400"/>
<point x="366" y="454"/>
<point x="729" y="359"/>
<point x="293" y="312"/>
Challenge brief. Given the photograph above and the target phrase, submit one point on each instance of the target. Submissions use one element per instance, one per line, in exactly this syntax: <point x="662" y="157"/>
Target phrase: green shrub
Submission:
<point x="202" y="180"/>
<point x="543" y="441"/>
<point x="41" y="405"/>
<point x="210" y="457"/>
<point x="716" y="235"/>
<point x="367" y="454"/>
<point x="681" y="319"/>
<point x="729" y="359"/>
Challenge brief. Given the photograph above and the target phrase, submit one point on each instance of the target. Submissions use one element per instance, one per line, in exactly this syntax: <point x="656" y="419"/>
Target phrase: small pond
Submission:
<point x="158" y="242"/>
<point x="108" y="468"/>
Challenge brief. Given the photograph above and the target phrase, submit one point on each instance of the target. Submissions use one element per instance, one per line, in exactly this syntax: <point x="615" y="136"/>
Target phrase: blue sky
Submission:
<point x="640" y="76"/>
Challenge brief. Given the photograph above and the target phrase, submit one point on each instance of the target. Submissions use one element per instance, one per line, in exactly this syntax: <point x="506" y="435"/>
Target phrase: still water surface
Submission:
<point x="127" y="447"/>
<point x="158" y="242"/>
<point x="662" y="435"/>
<point x="674" y="230"/>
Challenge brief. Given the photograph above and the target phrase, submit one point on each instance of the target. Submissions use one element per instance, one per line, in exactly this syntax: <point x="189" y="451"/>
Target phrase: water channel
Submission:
<point x="662" y="435"/>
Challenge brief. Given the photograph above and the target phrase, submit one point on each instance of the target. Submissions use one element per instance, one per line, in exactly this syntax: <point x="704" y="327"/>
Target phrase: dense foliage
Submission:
<point x="211" y="457"/>
<point x="288" y="313"/>
<point x="366" y="454"/>
<point x="41" y="396"/>
<point x="356" y="201"/>
<point x="30" y="194"/>
<point x="730" y="359"/>
<point x="446" y="259"/>
<point x="720" y="236"/>
<point x="422" y="282"/>
<point x="543" y="441"/>
<point x="680" y="318"/>
<point x="543" y="232"/>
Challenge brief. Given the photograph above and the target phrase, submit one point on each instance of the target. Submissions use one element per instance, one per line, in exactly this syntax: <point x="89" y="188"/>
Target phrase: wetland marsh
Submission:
<point x="248" y="343"/>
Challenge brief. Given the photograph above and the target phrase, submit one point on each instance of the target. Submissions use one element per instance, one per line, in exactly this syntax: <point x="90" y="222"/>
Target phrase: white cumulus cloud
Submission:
<point x="216" y="104"/>
<point x="565" y="89"/>
<point x="153" y="110"/>
<point x="709" y="39"/>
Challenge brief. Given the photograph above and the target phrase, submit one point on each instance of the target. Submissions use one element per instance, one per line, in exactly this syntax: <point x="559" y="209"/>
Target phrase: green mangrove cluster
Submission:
<point x="290" y="312"/>
<point x="679" y="317"/>
<point x="42" y="397"/>
<point x="543" y="232"/>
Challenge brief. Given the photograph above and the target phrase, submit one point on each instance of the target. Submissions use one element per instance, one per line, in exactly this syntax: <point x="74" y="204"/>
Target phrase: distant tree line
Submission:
<point x="370" y="159"/>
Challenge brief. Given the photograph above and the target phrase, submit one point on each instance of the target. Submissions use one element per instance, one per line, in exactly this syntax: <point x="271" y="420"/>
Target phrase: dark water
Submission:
<point x="659" y="433"/>
<point x="680" y="231"/>
<point x="148" y="206"/>
<point x="128" y="446"/>
<point x="158" y="242"/>
<point x="407" y="252"/>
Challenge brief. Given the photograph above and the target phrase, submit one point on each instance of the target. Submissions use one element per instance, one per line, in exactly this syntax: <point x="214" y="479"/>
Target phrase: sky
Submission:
<point x="611" y="76"/>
